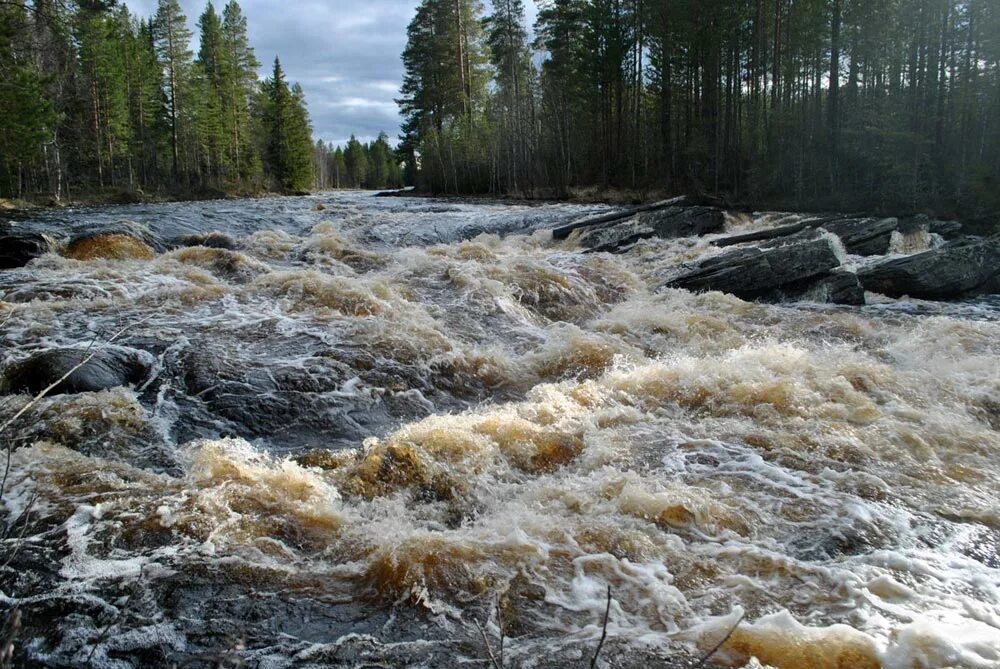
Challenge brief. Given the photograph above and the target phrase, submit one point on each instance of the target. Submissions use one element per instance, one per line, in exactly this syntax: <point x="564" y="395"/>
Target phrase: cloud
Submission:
<point x="344" y="53"/>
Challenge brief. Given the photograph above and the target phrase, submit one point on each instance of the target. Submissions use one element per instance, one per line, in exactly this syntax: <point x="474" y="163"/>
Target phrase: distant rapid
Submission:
<point x="392" y="431"/>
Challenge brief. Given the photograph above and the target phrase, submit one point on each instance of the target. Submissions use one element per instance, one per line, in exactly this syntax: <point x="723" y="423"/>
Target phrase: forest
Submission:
<point x="867" y="104"/>
<point x="96" y="103"/>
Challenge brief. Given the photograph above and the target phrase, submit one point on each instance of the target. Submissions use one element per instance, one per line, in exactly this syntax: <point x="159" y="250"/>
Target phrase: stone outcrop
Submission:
<point x="960" y="268"/>
<point x="755" y="272"/>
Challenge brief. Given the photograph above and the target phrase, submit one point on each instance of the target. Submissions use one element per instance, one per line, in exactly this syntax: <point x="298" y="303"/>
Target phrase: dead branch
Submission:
<point x="604" y="632"/>
<point x="706" y="657"/>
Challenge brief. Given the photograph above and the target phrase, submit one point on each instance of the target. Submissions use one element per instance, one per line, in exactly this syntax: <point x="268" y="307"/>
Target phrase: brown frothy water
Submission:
<point x="351" y="451"/>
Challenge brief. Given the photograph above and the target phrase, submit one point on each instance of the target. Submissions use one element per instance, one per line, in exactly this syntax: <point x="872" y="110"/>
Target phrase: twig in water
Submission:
<point x="719" y="645"/>
<point x="489" y="649"/>
<point x="604" y="632"/>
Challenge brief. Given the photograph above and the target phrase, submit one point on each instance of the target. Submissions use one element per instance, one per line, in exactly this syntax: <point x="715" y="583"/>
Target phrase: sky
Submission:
<point x="345" y="53"/>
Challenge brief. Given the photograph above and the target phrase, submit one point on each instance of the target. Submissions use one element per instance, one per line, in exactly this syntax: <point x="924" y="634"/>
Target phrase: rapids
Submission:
<point x="382" y="424"/>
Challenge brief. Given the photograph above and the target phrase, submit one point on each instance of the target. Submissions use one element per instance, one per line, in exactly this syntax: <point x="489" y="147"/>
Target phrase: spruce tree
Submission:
<point x="288" y="153"/>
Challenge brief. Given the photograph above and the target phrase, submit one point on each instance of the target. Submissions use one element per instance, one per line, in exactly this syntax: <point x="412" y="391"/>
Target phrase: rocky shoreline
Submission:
<point x="807" y="259"/>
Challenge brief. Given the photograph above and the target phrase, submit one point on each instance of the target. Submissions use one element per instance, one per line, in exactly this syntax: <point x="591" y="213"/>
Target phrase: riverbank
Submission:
<point x="124" y="197"/>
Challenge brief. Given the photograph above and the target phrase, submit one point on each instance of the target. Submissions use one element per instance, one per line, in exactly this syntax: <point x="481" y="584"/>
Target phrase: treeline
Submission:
<point x="374" y="165"/>
<point x="94" y="100"/>
<point x="890" y="104"/>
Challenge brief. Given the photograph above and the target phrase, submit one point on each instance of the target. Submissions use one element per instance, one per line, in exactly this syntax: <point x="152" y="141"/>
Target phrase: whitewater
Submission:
<point x="394" y="431"/>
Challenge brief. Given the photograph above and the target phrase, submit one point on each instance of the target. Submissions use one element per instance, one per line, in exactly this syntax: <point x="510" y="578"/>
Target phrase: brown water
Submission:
<point x="375" y="426"/>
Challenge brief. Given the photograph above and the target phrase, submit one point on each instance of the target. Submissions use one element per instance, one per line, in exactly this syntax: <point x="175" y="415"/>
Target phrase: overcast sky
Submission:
<point x="345" y="53"/>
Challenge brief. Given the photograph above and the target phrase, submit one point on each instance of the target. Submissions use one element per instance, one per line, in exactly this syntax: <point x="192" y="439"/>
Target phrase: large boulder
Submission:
<point x="108" y="247"/>
<point x="755" y="272"/>
<point x="863" y="236"/>
<point x="117" y="240"/>
<point x="17" y="250"/>
<point x="108" y="367"/>
<point x="960" y="268"/>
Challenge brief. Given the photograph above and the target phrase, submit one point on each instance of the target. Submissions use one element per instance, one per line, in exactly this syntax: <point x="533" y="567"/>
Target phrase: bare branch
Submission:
<point x="719" y="645"/>
<point x="604" y="632"/>
<point x="40" y="396"/>
<point x="489" y="649"/>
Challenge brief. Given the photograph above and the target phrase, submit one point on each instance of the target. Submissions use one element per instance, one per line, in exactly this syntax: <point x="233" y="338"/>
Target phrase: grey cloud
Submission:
<point x="344" y="53"/>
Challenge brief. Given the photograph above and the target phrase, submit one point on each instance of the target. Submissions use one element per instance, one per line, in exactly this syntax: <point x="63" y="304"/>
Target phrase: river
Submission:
<point x="385" y="430"/>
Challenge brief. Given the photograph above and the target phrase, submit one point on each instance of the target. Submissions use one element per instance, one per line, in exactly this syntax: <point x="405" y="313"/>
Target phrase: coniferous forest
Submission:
<point x="95" y="101"/>
<point x="876" y="104"/>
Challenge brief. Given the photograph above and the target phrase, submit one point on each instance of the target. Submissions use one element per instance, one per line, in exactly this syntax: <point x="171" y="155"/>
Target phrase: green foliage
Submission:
<point x="445" y="95"/>
<point x="804" y="103"/>
<point x="92" y="98"/>
<point x="288" y="154"/>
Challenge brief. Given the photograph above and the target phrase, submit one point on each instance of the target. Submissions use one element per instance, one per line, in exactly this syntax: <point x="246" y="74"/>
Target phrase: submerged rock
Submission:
<point x="753" y="272"/>
<point x="212" y="240"/>
<point x="108" y="367"/>
<point x="960" y="268"/>
<point x="17" y="250"/>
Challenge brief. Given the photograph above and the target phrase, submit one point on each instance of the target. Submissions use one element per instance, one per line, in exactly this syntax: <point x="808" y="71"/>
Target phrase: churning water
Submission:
<point x="375" y="428"/>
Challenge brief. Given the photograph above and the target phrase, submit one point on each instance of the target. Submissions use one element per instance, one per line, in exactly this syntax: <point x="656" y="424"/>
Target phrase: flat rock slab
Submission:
<point x="753" y="272"/>
<point x="109" y="367"/>
<point x="958" y="269"/>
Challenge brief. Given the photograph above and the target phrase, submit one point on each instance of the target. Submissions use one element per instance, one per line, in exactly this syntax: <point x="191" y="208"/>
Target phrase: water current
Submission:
<point x="389" y="431"/>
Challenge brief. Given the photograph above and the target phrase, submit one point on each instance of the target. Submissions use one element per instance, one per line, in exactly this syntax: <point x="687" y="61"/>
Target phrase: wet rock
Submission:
<point x="837" y="287"/>
<point x="614" y="236"/>
<point x="17" y="250"/>
<point x="863" y="236"/>
<point x="666" y="223"/>
<point x="212" y="240"/>
<point x="108" y="247"/>
<point x="963" y="267"/>
<point x="684" y="221"/>
<point x="754" y="272"/>
<point x="946" y="229"/>
<point x="137" y="231"/>
<point x="224" y="264"/>
<point x="681" y="202"/>
<point x="763" y="235"/>
<point x="108" y="367"/>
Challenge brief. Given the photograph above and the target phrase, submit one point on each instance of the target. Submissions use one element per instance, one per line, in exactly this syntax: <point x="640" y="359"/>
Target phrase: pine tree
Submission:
<point x="172" y="44"/>
<point x="241" y="86"/>
<point x="507" y="40"/>
<point x="444" y="94"/>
